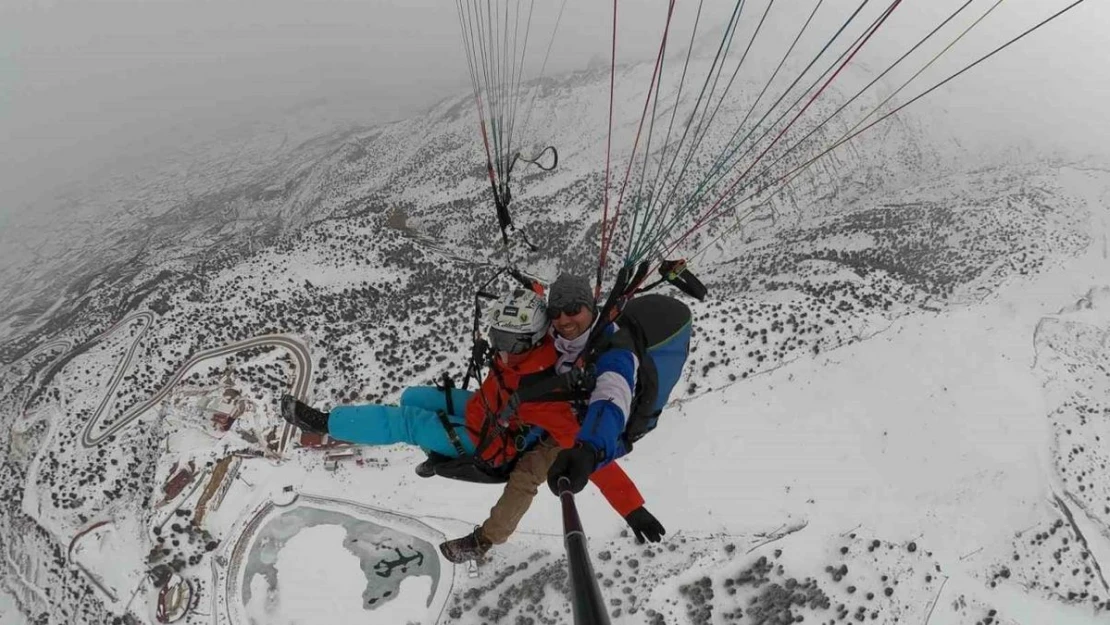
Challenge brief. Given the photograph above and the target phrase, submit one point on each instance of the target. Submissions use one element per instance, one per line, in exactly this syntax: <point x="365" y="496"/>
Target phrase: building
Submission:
<point x="227" y="409"/>
<point x="333" y="458"/>
<point x="178" y="480"/>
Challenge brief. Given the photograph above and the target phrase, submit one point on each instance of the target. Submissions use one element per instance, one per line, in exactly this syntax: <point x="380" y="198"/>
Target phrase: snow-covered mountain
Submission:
<point x="893" y="410"/>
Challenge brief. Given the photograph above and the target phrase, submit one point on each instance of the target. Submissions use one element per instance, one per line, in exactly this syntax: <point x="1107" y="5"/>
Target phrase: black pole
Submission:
<point x="585" y="595"/>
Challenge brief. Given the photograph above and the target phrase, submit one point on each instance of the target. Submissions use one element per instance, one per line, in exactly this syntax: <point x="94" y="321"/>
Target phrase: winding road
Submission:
<point x="299" y="351"/>
<point x="64" y="344"/>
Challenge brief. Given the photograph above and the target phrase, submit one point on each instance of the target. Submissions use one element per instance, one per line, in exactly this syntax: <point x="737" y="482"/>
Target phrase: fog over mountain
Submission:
<point x="103" y="86"/>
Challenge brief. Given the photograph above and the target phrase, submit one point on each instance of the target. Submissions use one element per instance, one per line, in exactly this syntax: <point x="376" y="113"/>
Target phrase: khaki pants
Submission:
<point x="524" y="481"/>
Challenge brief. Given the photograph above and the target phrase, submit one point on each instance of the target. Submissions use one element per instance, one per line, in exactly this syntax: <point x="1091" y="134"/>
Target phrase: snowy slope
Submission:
<point x="897" y="389"/>
<point x="931" y="428"/>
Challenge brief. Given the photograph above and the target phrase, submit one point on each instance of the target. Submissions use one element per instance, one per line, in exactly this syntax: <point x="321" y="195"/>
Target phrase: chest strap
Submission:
<point x="549" y="386"/>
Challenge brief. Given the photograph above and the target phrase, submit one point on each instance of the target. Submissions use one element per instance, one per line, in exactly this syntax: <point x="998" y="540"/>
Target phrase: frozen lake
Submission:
<point x="329" y="566"/>
<point x="9" y="615"/>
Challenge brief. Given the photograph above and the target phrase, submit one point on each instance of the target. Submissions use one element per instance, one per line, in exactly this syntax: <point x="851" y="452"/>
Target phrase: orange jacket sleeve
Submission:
<point x="617" y="488"/>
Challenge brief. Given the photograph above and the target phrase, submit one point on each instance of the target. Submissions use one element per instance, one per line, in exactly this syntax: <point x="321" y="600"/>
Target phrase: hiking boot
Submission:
<point x="428" y="467"/>
<point x="473" y="546"/>
<point x="303" y="416"/>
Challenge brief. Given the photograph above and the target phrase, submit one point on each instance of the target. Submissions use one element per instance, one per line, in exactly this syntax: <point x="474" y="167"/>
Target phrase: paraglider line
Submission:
<point x="794" y="172"/>
<point x="639" y="130"/>
<point x="608" y="155"/>
<point x="721" y="166"/>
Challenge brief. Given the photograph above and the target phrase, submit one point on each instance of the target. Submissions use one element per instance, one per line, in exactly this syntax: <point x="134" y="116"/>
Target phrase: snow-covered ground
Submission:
<point x="921" y="458"/>
<point x="933" y="432"/>
<point x="939" y="466"/>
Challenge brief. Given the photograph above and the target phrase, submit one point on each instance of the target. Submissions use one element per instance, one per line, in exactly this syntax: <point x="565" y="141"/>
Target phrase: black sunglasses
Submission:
<point x="569" y="310"/>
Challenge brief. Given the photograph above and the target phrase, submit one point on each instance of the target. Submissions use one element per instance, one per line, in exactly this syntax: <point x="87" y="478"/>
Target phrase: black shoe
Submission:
<point x="428" y="467"/>
<point x="473" y="546"/>
<point x="303" y="416"/>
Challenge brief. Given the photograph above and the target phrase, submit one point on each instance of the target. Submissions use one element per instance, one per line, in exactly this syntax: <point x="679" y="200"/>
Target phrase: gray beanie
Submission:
<point x="569" y="290"/>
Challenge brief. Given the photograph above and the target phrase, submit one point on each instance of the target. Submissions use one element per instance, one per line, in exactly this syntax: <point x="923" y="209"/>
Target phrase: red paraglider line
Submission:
<point x="485" y="141"/>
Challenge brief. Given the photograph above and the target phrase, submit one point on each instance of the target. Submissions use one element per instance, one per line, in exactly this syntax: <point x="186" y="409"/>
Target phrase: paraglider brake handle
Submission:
<point x="678" y="273"/>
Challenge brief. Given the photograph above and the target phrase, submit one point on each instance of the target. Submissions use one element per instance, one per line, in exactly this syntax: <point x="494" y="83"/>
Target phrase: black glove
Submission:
<point x="645" y="526"/>
<point x="576" y="464"/>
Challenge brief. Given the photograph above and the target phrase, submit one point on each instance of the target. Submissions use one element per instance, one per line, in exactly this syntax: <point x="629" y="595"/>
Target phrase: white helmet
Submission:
<point x="518" y="322"/>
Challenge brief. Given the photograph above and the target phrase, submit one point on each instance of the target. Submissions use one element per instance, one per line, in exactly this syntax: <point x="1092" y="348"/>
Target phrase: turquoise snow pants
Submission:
<point x="415" y="421"/>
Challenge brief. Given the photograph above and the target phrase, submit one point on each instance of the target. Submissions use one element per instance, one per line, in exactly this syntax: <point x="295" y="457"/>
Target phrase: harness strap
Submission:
<point x="452" y="435"/>
<point x="561" y="387"/>
<point x="492" y="429"/>
<point x="448" y="386"/>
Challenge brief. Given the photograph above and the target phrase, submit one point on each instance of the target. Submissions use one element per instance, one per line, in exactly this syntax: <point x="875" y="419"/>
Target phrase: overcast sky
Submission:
<point x="82" y="81"/>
